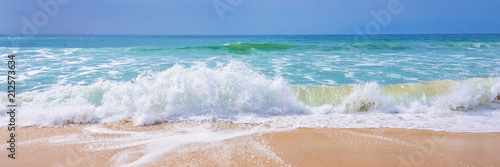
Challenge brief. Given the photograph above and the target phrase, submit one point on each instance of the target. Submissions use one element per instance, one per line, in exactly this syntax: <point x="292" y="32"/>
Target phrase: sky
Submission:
<point x="247" y="17"/>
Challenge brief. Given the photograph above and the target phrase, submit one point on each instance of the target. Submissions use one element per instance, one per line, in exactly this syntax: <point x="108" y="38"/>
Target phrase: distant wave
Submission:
<point x="245" y="48"/>
<point x="148" y="48"/>
<point x="380" y="46"/>
<point x="472" y="45"/>
<point x="238" y="48"/>
<point x="248" y="48"/>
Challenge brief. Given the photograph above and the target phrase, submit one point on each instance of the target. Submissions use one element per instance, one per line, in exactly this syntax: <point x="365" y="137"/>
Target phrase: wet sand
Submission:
<point x="246" y="145"/>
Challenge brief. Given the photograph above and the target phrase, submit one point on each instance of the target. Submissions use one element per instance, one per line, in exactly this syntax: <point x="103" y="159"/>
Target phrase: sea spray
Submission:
<point x="177" y="93"/>
<point x="236" y="92"/>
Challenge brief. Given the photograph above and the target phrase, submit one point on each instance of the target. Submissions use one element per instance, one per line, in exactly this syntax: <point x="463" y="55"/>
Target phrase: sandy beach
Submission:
<point x="228" y="144"/>
<point x="395" y="83"/>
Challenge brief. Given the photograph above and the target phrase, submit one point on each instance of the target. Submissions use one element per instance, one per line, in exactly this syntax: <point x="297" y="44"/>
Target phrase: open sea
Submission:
<point x="437" y="82"/>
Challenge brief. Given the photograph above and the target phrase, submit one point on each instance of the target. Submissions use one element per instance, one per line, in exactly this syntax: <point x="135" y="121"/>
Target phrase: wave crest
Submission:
<point x="176" y="93"/>
<point x="442" y="95"/>
<point x="472" y="45"/>
<point x="245" y="48"/>
<point x="234" y="91"/>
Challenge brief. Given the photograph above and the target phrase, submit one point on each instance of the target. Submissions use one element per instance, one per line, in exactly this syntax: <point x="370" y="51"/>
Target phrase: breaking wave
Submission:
<point x="235" y="91"/>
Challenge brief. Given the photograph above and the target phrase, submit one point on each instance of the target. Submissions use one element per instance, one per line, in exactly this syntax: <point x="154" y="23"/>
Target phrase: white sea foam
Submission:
<point x="235" y="92"/>
<point x="141" y="148"/>
<point x="176" y="93"/>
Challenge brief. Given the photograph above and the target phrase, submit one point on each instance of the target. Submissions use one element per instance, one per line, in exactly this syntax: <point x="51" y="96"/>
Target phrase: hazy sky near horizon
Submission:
<point x="249" y="17"/>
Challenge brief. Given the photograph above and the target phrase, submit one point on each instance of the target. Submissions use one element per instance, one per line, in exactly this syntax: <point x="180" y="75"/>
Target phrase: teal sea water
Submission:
<point x="441" y="82"/>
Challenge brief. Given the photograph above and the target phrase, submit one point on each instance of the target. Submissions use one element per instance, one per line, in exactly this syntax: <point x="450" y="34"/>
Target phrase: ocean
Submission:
<point x="435" y="82"/>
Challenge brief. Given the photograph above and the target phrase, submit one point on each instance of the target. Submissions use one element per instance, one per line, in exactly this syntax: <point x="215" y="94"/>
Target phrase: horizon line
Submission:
<point x="262" y="34"/>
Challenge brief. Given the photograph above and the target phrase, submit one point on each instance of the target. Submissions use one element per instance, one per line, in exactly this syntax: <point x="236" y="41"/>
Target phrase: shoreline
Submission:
<point x="230" y="144"/>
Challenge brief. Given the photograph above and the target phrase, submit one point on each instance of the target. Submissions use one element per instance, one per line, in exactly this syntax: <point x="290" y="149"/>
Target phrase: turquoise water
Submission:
<point x="322" y="79"/>
<point x="45" y="61"/>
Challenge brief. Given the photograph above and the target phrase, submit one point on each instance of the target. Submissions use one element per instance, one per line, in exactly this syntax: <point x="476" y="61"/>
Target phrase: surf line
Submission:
<point x="11" y="90"/>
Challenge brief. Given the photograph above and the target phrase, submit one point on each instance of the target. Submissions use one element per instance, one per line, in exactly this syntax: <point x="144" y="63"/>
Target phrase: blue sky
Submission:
<point x="250" y="16"/>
